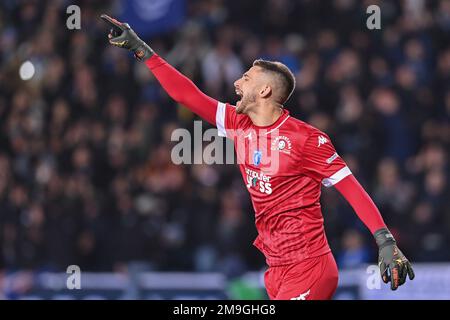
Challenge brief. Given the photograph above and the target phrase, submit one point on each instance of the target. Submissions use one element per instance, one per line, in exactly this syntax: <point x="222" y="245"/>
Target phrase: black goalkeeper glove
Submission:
<point x="122" y="36"/>
<point x="394" y="266"/>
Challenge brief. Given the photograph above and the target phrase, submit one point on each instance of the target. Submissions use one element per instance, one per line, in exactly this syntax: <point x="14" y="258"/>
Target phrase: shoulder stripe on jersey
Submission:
<point x="338" y="176"/>
<point x="220" y="119"/>
<point x="278" y="125"/>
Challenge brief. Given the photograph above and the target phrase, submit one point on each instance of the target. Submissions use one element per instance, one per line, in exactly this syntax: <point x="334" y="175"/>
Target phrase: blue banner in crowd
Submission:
<point x="153" y="17"/>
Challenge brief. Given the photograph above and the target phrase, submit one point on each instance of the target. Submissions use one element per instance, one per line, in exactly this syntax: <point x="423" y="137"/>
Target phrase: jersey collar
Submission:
<point x="276" y="124"/>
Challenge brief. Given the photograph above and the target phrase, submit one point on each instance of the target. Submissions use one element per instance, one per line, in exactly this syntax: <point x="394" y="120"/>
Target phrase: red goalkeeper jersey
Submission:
<point x="284" y="166"/>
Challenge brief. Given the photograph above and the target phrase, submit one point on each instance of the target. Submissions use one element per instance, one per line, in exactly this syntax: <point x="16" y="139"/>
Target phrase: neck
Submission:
<point x="265" y="114"/>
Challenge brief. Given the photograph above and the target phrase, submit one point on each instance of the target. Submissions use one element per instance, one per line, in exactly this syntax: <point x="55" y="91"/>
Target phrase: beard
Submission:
<point x="242" y="105"/>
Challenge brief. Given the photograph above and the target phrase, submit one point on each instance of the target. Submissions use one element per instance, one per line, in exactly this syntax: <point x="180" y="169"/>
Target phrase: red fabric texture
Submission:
<point x="182" y="89"/>
<point x="361" y="202"/>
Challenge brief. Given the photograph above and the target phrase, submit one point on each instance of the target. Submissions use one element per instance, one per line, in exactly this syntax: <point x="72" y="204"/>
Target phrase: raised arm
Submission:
<point x="182" y="89"/>
<point x="179" y="87"/>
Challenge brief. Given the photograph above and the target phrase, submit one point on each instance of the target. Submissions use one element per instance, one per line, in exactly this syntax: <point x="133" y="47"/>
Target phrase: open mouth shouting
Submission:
<point x="240" y="94"/>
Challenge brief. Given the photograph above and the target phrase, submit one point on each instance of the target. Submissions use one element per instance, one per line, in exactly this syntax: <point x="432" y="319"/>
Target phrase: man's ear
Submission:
<point x="265" y="91"/>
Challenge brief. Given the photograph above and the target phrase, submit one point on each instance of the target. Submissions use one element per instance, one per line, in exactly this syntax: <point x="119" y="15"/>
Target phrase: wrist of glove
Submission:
<point x="121" y="35"/>
<point x="394" y="267"/>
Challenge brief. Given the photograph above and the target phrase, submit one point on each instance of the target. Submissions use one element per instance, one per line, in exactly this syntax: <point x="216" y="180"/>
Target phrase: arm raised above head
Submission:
<point x="178" y="86"/>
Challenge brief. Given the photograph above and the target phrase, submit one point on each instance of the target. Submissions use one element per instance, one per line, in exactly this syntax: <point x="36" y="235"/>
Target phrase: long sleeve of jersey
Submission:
<point x="361" y="202"/>
<point x="182" y="89"/>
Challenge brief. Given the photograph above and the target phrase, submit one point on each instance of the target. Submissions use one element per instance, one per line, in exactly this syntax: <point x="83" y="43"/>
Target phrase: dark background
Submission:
<point x="85" y="171"/>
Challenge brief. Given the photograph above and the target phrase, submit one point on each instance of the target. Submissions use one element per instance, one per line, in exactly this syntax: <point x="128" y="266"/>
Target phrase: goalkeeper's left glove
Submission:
<point x="122" y="36"/>
<point x="393" y="264"/>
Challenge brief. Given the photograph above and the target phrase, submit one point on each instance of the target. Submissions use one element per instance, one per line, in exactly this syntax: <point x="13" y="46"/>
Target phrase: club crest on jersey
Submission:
<point x="257" y="156"/>
<point x="282" y="144"/>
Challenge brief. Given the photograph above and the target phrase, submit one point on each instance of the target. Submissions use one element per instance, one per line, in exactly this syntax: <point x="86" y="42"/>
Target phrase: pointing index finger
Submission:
<point x="115" y="23"/>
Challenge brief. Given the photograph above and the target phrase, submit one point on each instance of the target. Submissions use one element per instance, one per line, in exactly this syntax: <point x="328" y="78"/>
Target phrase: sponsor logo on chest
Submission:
<point x="258" y="181"/>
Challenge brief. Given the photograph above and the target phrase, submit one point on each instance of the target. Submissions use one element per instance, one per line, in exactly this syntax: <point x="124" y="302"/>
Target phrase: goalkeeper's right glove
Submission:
<point x="122" y="36"/>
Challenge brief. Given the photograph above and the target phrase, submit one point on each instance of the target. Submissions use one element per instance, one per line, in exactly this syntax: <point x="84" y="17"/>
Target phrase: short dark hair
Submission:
<point x="285" y="76"/>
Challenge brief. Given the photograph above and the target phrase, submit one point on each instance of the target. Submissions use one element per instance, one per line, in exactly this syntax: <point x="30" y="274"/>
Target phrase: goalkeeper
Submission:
<point x="288" y="216"/>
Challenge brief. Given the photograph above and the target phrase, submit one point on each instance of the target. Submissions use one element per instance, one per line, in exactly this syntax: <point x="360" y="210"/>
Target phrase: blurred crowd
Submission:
<point x="86" y="175"/>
